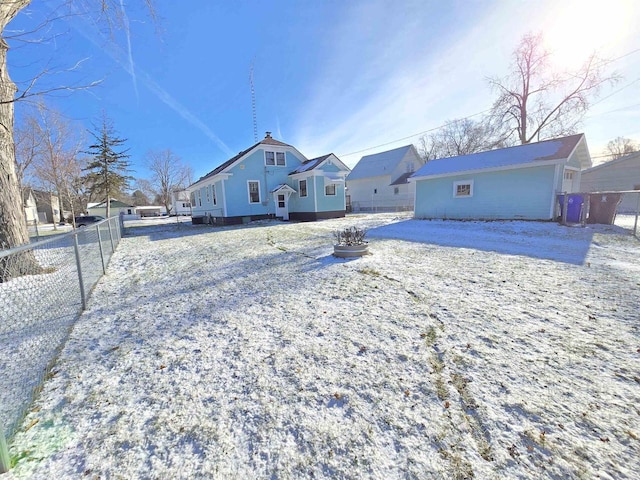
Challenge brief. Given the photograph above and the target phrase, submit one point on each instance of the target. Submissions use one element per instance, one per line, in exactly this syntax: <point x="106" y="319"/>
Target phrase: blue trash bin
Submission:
<point x="574" y="208"/>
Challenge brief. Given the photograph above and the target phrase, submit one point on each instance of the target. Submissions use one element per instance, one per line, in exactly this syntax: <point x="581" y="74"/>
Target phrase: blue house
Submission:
<point x="510" y="183"/>
<point x="270" y="180"/>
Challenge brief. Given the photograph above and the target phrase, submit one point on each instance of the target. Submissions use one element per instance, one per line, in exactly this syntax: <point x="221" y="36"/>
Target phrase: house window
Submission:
<point x="330" y="189"/>
<point x="463" y="189"/>
<point x="208" y="197"/>
<point x="193" y="198"/>
<point x="375" y="190"/>
<point x="410" y="167"/>
<point x="281" y="203"/>
<point x="269" y="158"/>
<point x="213" y="194"/>
<point x="274" y="158"/>
<point x="254" y="191"/>
<point x="396" y="190"/>
<point x="568" y="175"/>
<point x="302" y="187"/>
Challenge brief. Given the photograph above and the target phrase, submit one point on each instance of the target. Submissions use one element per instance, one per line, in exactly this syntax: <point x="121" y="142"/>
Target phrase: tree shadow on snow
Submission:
<point x="544" y="240"/>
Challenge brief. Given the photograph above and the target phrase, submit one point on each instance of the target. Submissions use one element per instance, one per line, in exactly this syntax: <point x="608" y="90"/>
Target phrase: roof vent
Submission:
<point x="267" y="135"/>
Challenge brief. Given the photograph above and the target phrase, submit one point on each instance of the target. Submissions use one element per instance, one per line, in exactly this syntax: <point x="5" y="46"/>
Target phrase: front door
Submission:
<point x="282" y="205"/>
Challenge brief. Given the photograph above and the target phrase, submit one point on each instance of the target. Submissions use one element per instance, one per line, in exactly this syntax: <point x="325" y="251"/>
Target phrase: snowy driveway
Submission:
<point x="251" y="352"/>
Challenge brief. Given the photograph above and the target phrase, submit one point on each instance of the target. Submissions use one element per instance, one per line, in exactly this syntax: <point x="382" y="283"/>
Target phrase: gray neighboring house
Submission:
<point x="48" y="206"/>
<point x="620" y="174"/>
<point x="379" y="182"/>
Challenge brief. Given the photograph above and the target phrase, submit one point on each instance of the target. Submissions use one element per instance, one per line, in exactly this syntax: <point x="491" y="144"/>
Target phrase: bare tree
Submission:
<point x="28" y="146"/>
<point x="461" y="137"/>
<point x="537" y="102"/>
<point x="13" y="229"/>
<point x="168" y="174"/>
<point x="56" y="164"/>
<point x="620" y="146"/>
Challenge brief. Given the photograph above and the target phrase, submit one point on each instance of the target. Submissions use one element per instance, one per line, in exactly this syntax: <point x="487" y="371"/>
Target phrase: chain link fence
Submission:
<point x="43" y="289"/>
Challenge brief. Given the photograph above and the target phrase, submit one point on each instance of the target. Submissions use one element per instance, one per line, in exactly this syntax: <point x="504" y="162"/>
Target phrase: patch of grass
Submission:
<point x="369" y="271"/>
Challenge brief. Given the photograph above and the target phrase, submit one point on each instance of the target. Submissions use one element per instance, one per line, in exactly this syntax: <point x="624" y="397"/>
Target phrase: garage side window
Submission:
<point x="463" y="189"/>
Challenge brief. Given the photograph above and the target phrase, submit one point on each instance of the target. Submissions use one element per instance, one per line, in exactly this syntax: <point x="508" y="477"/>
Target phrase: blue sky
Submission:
<point x="329" y="76"/>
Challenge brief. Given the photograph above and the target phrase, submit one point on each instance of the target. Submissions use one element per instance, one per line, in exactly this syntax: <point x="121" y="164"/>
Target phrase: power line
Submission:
<point x="414" y="135"/>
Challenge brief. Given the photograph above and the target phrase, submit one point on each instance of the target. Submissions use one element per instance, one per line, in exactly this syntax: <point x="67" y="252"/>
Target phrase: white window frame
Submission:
<point x="277" y="156"/>
<point x="462" y="183"/>
<point x="306" y="188"/>
<point x="335" y="190"/>
<point x="266" y="154"/>
<point x="396" y="190"/>
<point x="199" y="198"/>
<point x="249" y="182"/>
<point x="208" y="195"/>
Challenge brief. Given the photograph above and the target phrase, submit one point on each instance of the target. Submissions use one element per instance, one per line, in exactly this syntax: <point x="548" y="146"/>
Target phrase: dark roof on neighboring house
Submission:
<point x="265" y="141"/>
<point x="402" y="179"/>
<point x="382" y="163"/>
<point x="555" y="149"/>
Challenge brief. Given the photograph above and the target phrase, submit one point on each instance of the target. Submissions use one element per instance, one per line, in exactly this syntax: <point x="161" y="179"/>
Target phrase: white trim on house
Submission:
<point x="249" y="192"/>
<point x="556" y="177"/>
<point x="224" y="198"/>
<point x="537" y="163"/>
<point x="462" y="183"/>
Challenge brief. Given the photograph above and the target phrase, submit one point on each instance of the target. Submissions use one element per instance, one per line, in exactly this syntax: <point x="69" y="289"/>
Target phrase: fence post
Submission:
<point x="104" y="271"/>
<point x="113" y="249"/>
<point x="565" y="204"/>
<point x="635" y="223"/>
<point x="83" y="297"/>
<point x="5" y="461"/>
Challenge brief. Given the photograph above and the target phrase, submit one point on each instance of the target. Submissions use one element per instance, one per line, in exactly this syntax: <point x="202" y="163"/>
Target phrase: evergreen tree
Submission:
<point x="108" y="167"/>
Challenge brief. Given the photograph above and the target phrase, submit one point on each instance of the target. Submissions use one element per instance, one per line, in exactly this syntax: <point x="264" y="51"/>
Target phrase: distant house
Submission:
<point x="116" y="207"/>
<point x="616" y="175"/>
<point x="30" y="206"/>
<point x="151" y="211"/>
<point x="271" y="179"/>
<point x="509" y="183"/>
<point x="48" y="207"/>
<point x="180" y="202"/>
<point x="379" y="182"/>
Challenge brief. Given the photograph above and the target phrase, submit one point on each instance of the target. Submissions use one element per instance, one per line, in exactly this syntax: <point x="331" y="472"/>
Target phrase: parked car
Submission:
<point x="85" y="220"/>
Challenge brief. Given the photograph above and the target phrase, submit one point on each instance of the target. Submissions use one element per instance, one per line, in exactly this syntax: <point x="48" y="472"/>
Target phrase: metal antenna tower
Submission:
<point x="253" y="103"/>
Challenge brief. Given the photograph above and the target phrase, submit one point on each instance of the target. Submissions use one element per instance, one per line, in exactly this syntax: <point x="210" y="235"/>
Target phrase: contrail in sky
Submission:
<point x="127" y="32"/>
<point x="158" y="91"/>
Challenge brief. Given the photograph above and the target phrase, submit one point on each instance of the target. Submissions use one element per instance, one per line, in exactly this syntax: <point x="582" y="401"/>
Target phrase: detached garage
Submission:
<point x="515" y="183"/>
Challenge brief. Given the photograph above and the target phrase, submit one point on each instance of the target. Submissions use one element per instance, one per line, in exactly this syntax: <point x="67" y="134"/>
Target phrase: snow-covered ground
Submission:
<point x="455" y="350"/>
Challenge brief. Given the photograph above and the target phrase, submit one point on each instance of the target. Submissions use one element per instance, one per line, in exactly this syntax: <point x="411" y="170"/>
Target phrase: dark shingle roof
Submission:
<point x="310" y="164"/>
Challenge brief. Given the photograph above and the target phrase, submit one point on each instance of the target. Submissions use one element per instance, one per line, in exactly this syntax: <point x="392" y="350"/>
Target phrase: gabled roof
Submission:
<point x="548" y="150"/>
<point x="614" y="162"/>
<point x="265" y="141"/>
<point x="382" y="163"/>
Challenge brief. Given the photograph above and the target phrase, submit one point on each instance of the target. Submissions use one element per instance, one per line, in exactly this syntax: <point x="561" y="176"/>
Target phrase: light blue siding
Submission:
<point x="302" y="204"/>
<point x="329" y="203"/>
<point x="524" y="193"/>
<point x="253" y="168"/>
